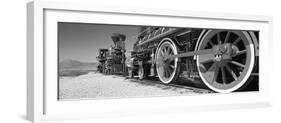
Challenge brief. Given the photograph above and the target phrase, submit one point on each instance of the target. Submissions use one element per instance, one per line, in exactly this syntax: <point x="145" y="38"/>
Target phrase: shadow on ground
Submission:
<point x="182" y="83"/>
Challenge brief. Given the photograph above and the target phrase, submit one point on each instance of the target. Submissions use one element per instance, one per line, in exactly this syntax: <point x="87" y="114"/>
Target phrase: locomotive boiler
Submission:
<point x="224" y="60"/>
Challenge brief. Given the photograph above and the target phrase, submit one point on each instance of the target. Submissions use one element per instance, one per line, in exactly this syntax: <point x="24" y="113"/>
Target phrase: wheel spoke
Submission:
<point x="170" y="71"/>
<point x="227" y="37"/>
<point x="169" y="61"/>
<point x="223" y="75"/>
<point x="202" y="68"/>
<point x="231" y="72"/>
<point x="212" y="73"/>
<point x="168" y="51"/>
<point x="237" y="63"/>
<point x="172" y="66"/>
<point x="162" y="52"/>
<point x="211" y="43"/>
<point x="242" y="52"/>
<point x="237" y="40"/>
<point x="218" y="38"/>
<point x="165" y="72"/>
<point x="166" y="48"/>
<point x="215" y="75"/>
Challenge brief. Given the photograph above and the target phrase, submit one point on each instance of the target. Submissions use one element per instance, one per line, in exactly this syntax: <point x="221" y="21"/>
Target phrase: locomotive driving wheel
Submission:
<point x="229" y="65"/>
<point x="167" y="68"/>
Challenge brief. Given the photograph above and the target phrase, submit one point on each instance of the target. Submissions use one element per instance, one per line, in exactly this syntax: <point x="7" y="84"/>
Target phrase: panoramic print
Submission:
<point x="98" y="61"/>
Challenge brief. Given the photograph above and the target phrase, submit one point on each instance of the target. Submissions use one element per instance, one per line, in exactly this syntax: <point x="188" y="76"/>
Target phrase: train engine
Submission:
<point x="223" y="60"/>
<point x="112" y="60"/>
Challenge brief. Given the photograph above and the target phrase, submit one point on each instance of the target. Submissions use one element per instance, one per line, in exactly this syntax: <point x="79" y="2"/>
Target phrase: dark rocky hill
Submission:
<point x="75" y="68"/>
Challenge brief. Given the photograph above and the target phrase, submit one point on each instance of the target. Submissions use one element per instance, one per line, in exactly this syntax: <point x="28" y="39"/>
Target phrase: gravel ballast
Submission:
<point x="95" y="85"/>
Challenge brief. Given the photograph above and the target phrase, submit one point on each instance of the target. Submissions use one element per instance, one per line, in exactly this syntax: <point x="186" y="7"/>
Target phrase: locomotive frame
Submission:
<point x="42" y="103"/>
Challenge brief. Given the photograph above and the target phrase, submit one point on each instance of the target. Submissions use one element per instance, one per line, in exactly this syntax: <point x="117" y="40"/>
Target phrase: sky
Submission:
<point x="81" y="41"/>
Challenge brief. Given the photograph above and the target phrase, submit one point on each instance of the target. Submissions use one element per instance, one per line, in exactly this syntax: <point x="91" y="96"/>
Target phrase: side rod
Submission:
<point x="192" y="53"/>
<point x="186" y="54"/>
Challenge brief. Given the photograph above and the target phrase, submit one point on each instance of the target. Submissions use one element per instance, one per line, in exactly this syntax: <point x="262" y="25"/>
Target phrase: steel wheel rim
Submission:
<point x="166" y="70"/>
<point x="226" y="75"/>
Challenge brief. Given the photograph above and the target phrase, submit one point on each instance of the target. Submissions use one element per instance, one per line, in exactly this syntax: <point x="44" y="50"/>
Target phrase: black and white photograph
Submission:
<point x="140" y="61"/>
<point x="104" y="61"/>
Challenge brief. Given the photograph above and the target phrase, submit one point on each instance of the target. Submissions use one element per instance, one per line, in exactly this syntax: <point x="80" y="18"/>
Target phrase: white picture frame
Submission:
<point x="42" y="104"/>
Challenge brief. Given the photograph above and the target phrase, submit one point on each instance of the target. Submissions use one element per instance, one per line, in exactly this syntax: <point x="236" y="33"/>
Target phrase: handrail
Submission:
<point x="170" y="31"/>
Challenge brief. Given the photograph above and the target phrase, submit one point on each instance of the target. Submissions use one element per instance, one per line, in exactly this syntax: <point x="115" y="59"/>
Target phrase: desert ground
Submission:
<point x="95" y="85"/>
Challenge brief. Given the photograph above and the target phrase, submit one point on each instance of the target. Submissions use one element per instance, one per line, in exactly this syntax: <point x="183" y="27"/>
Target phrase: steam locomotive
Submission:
<point x="223" y="60"/>
<point x="112" y="60"/>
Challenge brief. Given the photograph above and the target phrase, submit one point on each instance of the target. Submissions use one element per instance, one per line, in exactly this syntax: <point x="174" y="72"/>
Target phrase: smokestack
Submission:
<point x="116" y="37"/>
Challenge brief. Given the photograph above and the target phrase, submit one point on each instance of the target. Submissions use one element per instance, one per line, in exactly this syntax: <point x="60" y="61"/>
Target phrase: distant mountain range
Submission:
<point x="70" y="64"/>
